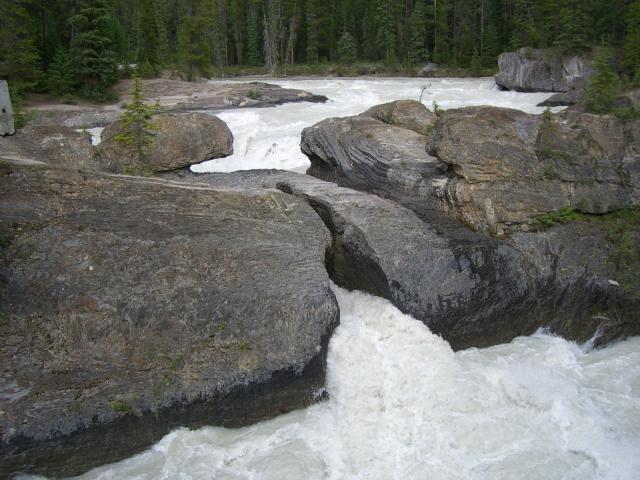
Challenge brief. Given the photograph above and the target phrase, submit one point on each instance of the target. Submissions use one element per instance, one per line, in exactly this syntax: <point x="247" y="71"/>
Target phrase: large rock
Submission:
<point x="379" y="156"/>
<point x="535" y="70"/>
<point x="178" y="141"/>
<point x="132" y="306"/>
<point x="58" y="145"/>
<point x="469" y="288"/>
<point x="496" y="170"/>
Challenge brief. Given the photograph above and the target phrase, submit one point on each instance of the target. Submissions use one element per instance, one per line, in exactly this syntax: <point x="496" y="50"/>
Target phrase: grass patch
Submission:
<point x="120" y="406"/>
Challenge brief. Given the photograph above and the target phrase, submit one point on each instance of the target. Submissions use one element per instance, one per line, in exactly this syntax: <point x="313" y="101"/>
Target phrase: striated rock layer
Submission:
<point x="133" y="306"/>
<point x="538" y="70"/>
<point x="496" y="170"/>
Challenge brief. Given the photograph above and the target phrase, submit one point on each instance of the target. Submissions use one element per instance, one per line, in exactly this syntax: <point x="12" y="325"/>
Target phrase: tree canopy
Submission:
<point x="199" y="37"/>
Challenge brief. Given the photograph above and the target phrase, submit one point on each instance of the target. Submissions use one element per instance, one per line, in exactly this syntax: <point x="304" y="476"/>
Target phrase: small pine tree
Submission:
<point x="347" y="51"/>
<point x="60" y="76"/>
<point x="147" y="70"/>
<point x="604" y="83"/>
<point x="136" y="133"/>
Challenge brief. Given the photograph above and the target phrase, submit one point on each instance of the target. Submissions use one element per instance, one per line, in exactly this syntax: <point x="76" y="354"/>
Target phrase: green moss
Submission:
<point x="254" y="94"/>
<point x="621" y="227"/>
<point x="564" y="215"/>
<point x="120" y="406"/>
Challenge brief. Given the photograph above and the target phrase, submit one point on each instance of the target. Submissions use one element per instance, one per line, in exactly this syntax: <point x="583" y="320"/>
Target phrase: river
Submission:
<point x="402" y="404"/>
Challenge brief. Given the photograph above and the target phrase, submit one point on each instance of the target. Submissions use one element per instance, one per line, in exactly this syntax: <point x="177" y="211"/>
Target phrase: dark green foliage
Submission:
<point x="19" y="57"/>
<point x="632" y="42"/>
<point x="136" y="133"/>
<point x="91" y="46"/>
<point x="60" y="77"/>
<point x="475" y="67"/>
<point x="347" y="50"/>
<point x="147" y="70"/>
<point x="602" y="89"/>
<point x="194" y="35"/>
<point x="574" y="28"/>
<point x="194" y="51"/>
<point x="418" y="26"/>
<point x="491" y="46"/>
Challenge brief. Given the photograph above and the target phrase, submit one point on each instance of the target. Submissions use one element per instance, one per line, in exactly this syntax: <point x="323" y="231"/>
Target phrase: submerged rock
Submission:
<point x="536" y="70"/>
<point x="131" y="306"/>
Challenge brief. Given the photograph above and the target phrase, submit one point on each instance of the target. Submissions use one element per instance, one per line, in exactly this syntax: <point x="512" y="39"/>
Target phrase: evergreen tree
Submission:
<point x="347" y="50"/>
<point x="418" y="26"/>
<point x="386" y="30"/>
<point x="491" y="46"/>
<point x="92" y="56"/>
<point x="136" y="132"/>
<point x="604" y="83"/>
<point x="60" y="76"/>
<point x="632" y="42"/>
<point x="313" y="25"/>
<point x="194" y="52"/>
<point x="253" y="34"/>
<point x="574" y="28"/>
<point x="19" y="58"/>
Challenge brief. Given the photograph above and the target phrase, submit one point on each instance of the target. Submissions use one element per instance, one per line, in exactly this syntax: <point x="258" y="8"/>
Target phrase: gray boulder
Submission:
<point x="496" y="170"/>
<point x="542" y="70"/>
<point x="131" y="306"/>
<point x="473" y="290"/>
<point x="59" y="145"/>
<point x="179" y="140"/>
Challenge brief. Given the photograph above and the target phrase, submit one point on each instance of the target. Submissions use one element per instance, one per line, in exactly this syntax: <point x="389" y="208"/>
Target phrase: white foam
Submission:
<point x="270" y="137"/>
<point x="404" y="406"/>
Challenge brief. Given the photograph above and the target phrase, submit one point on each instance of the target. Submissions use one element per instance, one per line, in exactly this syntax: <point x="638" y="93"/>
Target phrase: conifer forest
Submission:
<point x="84" y="45"/>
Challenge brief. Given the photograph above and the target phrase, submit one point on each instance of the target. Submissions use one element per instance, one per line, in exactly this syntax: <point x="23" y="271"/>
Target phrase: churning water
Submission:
<point x="270" y="138"/>
<point x="404" y="406"/>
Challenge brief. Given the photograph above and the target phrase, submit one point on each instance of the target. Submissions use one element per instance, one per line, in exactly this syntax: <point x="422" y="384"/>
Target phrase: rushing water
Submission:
<point x="270" y="138"/>
<point x="404" y="406"/>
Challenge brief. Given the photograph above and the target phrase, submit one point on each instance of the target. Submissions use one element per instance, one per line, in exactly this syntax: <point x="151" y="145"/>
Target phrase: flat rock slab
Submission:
<point x="176" y="96"/>
<point x="132" y="306"/>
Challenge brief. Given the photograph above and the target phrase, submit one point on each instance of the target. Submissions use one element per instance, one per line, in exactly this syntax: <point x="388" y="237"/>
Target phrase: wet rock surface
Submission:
<point x="177" y="141"/>
<point x="133" y="306"/>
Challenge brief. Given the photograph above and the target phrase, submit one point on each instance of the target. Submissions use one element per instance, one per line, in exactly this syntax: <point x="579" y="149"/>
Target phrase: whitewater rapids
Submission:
<point x="404" y="406"/>
<point x="270" y="138"/>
